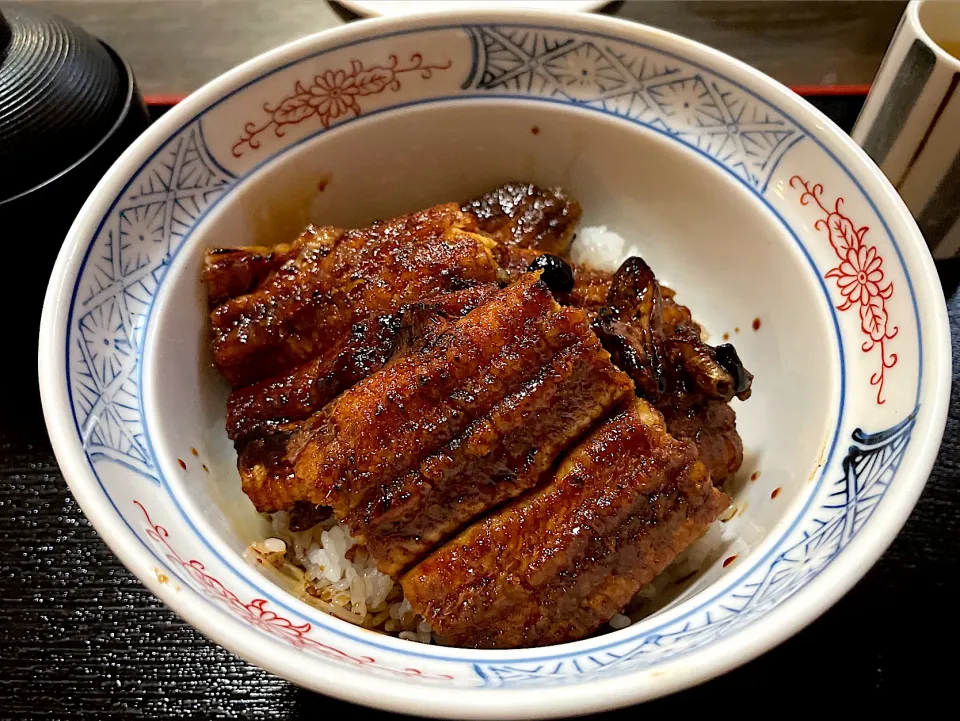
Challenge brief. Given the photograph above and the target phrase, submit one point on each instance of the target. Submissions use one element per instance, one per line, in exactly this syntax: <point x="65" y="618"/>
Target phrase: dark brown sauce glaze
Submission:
<point x="507" y="453"/>
<point x="295" y="395"/>
<point x="617" y="511"/>
<point x="474" y="418"/>
<point x="340" y="278"/>
<point x="712" y="426"/>
<point x="523" y="215"/>
<point x="229" y="272"/>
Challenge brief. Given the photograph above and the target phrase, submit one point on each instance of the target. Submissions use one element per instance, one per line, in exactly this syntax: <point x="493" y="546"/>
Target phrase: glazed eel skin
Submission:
<point x="259" y="408"/>
<point x="338" y="278"/>
<point x="557" y="563"/>
<point x="523" y="215"/>
<point x="517" y="215"/>
<point x="474" y="417"/>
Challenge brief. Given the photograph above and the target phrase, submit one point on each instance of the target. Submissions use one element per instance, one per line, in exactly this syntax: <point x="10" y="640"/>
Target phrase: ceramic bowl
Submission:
<point x="770" y="223"/>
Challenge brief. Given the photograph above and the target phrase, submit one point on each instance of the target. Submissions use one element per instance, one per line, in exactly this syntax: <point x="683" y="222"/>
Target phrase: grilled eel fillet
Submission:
<point x="555" y="564"/>
<point x="520" y="215"/>
<point x="259" y="408"/>
<point x="517" y="215"/>
<point x="643" y="327"/>
<point x="656" y="341"/>
<point x="523" y="215"/>
<point x="473" y="417"/>
<point x="229" y="272"/>
<point x="339" y="278"/>
<point x="265" y="470"/>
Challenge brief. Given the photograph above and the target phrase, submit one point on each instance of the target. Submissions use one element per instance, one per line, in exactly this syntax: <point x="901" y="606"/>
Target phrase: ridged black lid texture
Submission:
<point x="61" y="92"/>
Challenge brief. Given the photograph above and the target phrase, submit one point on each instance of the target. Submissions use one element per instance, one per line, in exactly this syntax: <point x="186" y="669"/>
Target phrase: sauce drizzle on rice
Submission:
<point x="327" y="570"/>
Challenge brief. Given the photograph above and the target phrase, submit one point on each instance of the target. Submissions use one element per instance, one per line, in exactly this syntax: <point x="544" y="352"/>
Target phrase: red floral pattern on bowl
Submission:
<point x="859" y="277"/>
<point x="331" y="95"/>
<point x="257" y="614"/>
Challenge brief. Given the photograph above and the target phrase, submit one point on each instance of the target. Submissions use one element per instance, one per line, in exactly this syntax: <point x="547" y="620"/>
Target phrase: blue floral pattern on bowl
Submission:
<point x="126" y="266"/>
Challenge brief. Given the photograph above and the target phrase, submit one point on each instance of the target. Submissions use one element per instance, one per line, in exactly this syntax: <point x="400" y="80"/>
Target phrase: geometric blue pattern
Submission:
<point x="696" y="107"/>
<point x="128" y="260"/>
<point x="869" y="467"/>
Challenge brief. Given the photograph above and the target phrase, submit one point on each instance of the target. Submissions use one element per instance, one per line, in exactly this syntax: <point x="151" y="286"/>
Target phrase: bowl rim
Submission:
<point x="398" y="695"/>
<point x="363" y="10"/>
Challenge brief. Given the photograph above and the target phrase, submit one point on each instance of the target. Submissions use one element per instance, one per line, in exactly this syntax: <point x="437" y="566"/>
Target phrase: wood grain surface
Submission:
<point x="175" y="46"/>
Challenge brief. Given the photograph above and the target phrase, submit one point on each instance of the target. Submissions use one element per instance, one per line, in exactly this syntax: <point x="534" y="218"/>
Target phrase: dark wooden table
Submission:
<point x="81" y="638"/>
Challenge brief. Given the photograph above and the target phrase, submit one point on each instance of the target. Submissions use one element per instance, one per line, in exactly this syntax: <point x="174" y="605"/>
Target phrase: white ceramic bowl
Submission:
<point x="740" y="195"/>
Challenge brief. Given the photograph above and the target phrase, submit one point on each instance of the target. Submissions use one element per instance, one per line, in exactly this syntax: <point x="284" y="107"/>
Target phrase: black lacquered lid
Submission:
<point x="61" y="92"/>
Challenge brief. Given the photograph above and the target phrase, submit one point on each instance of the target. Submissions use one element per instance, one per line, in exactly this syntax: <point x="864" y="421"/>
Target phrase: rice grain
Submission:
<point x="340" y="578"/>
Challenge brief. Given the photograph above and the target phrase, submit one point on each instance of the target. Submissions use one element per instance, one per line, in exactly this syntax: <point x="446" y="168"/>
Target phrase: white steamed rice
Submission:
<point x="332" y="574"/>
<point x="598" y="247"/>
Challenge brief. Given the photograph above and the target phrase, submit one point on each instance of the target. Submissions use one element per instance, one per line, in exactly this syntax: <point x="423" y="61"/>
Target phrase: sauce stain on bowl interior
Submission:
<point x="283" y="211"/>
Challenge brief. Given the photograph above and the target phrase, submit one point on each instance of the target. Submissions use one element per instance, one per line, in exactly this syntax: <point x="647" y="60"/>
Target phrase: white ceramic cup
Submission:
<point x="910" y="124"/>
